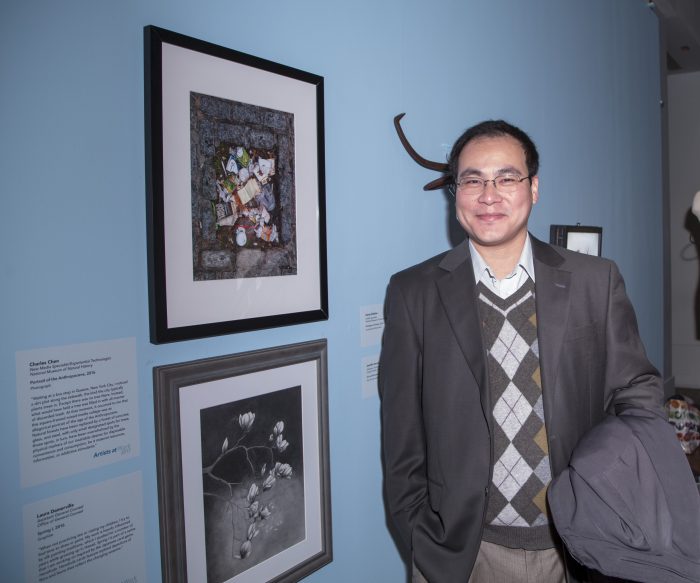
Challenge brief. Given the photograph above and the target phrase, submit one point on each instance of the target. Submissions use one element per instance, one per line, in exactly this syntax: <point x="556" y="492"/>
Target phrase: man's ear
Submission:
<point x="534" y="186"/>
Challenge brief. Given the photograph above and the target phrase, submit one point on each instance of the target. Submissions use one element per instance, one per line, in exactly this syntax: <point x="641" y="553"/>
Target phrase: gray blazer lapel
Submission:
<point x="457" y="291"/>
<point x="553" y="289"/>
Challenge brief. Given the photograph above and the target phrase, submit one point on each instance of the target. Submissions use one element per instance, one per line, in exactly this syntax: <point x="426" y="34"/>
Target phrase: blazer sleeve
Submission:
<point x="630" y="379"/>
<point x="403" y="440"/>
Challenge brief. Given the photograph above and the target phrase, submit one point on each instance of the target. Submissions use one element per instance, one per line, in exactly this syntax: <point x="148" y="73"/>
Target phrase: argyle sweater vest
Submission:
<point x="516" y="515"/>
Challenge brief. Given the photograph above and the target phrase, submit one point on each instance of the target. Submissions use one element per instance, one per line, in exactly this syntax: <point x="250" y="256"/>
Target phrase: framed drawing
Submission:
<point x="235" y="190"/>
<point x="242" y="460"/>
<point x="588" y="240"/>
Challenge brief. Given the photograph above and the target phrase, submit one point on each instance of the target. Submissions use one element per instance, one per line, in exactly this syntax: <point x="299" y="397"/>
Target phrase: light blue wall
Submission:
<point x="581" y="77"/>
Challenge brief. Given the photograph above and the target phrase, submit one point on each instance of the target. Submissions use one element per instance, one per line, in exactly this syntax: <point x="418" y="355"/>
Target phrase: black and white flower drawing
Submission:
<point x="252" y="481"/>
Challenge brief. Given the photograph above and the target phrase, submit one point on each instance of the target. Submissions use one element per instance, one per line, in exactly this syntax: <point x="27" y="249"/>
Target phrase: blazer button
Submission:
<point x="486" y="491"/>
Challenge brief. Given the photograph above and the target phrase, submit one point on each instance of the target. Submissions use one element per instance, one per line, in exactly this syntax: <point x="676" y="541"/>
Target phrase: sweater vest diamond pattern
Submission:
<point x="517" y="510"/>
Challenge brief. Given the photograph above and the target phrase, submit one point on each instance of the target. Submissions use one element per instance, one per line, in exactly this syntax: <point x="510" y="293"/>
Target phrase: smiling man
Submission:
<point x="498" y="355"/>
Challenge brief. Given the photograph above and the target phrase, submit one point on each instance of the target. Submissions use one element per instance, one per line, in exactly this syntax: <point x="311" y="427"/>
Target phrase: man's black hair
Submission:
<point x="494" y="129"/>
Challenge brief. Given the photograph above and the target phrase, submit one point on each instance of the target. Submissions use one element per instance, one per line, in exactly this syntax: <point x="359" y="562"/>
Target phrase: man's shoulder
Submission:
<point x="421" y="272"/>
<point x="573" y="260"/>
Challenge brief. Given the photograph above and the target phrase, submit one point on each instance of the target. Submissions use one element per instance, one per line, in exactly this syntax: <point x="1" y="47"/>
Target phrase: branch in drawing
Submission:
<point x="250" y="497"/>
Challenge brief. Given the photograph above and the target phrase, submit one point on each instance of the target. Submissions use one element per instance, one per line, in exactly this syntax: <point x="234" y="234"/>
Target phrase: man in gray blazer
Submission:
<point x="498" y="355"/>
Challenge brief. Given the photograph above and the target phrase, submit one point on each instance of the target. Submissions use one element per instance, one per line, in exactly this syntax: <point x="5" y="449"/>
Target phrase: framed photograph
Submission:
<point x="243" y="475"/>
<point x="235" y="190"/>
<point x="588" y="240"/>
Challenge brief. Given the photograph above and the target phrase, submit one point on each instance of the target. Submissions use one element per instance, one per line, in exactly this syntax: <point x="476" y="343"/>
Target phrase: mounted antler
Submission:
<point x="436" y="184"/>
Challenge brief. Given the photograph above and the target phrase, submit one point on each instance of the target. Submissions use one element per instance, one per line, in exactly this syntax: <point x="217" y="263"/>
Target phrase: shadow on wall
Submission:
<point x="455" y="232"/>
<point x="691" y="252"/>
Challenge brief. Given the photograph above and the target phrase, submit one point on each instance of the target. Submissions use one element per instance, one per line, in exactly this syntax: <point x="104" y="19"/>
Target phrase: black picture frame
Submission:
<point x="243" y="461"/>
<point x="235" y="184"/>
<point x="583" y="239"/>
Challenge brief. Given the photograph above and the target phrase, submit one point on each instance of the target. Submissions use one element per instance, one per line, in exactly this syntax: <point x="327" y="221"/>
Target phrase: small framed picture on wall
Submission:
<point x="587" y="240"/>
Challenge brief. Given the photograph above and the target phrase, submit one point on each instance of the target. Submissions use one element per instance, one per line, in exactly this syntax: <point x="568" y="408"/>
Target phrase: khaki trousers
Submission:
<point x="497" y="564"/>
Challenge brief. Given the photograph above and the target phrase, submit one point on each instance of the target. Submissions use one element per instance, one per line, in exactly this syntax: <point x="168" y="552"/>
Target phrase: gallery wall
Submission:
<point x="581" y="77"/>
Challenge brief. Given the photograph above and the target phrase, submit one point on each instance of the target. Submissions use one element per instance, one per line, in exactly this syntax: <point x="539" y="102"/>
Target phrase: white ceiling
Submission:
<point x="680" y="25"/>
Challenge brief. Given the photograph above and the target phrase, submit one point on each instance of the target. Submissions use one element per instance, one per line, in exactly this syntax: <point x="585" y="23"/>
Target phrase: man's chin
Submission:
<point x="496" y="240"/>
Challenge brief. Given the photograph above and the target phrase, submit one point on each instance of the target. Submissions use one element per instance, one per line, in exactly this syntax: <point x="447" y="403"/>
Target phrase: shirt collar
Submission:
<point x="482" y="270"/>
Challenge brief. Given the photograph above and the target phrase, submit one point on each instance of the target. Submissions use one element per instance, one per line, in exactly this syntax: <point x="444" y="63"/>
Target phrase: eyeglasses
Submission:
<point x="505" y="184"/>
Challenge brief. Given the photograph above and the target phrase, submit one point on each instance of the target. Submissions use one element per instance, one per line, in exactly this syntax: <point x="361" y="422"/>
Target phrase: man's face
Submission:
<point x="494" y="220"/>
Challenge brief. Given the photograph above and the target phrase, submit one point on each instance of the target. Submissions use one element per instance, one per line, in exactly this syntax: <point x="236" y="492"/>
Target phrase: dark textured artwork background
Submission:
<point x="253" y="481"/>
<point x="243" y="190"/>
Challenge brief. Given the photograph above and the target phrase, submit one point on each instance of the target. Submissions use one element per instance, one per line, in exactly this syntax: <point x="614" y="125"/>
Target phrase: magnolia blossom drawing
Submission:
<point x="253" y="497"/>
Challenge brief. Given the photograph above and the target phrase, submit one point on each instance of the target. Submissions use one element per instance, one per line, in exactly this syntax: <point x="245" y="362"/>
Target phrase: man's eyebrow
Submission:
<point x="469" y="171"/>
<point x="508" y="170"/>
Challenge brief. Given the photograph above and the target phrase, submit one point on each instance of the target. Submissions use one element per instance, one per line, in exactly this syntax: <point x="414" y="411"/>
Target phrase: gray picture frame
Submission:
<point x="185" y="391"/>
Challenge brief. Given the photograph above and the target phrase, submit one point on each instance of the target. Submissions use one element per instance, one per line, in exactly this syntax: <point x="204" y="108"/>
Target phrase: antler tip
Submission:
<point x="438" y="183"/>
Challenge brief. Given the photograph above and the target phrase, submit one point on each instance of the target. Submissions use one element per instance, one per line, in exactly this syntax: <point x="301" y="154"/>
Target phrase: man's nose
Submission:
<point x="489" y="195"/>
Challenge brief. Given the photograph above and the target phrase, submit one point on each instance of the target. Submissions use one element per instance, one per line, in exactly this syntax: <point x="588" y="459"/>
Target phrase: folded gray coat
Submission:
<point x="627" y="505"/>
